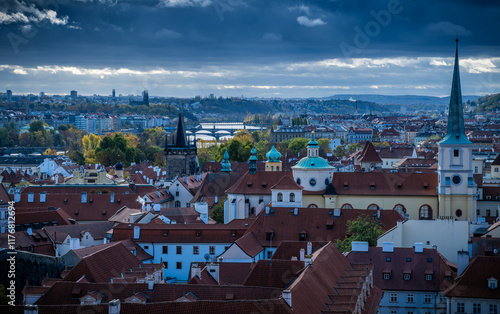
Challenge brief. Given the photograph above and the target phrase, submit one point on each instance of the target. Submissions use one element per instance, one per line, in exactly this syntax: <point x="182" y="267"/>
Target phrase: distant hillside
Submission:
<point x="488" y="103"/>
<point x="402" y="99"/>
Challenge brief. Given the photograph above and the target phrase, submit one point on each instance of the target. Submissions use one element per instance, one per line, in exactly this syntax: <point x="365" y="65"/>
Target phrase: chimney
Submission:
<point x="74" y="243"/>
<point x="295" y="211"/>
<point x="157" y="207"/>
<point x="462" y="261"/>
<point x="302" y="254"/>
<point x="309" y="248"/>
<point x="388" y="247"/>
<point x="419" y="247"/>
<point x="151" y="283"/>
<point x="435" y="247"/>
<point x="359" y="246"/>
<point x="114" y="306"/>
<point x="195" y="271"/>
<point x="159" y="194"/>
<point x="308" y="260"/>
<point x="216" y="199"/>
<point x="287" y="297"/>
<point x="30" y="231"/>
<point x="202" y="208"/>
<point x="137" y="232"/>
<point x="186" y="180"/>
<point x="30" y="309"/>
<point x="213" y="270"/>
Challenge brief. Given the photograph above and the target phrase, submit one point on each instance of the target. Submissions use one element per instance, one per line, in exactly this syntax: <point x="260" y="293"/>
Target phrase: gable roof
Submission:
<point x="104" y="264"/>
<point x="286" y="183"/>
<point x="473" y="283"/>
<point x="98" y="231"/>
<point x="369" y="154"/>
<point x="259" y="183"/>
<point x="418" y="265"/>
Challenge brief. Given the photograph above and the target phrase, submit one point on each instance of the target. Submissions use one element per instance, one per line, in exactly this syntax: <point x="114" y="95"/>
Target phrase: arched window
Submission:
<point x="346" y="206"/>
<point x="312" y="206"/>
<point x="177" y="204"/>
<point x="277" y="168"/>
<point x="400" y="209"/>
<point x="298" y="181"/>
<point x="425" y="212"/>
<point x="496" y="169"/>
<point x="373" y="206"/>
<point x="292" y="197"/>
<point x="327" y="181"/>
<point x="280" y="197"/>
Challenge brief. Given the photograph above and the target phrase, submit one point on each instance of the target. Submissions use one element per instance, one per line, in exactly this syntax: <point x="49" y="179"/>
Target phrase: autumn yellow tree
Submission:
<point x="89" y="143"/>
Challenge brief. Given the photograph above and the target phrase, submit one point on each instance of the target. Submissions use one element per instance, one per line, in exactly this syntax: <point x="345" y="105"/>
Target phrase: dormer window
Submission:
<point x="280" y="197"/>
<point x="492" y="283"/>
<point x="31" y="197"/>
<point x="84" y="197"/>
<point x="406" y="276"/>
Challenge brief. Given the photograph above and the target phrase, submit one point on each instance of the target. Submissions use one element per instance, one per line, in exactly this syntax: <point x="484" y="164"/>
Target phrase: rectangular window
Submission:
<point x="387" y="276"/>
<point x="410" y="299"/>
<point x="196" y="250"/>
<point x="394" y="297"/>
<point x="456" y="153"/>
<point x="212" y="250"/>
<point x="43" y="197"/>
<point x="165" y="249"/>
<point x="460" y="307"/>
<point x="427" y="298"/>
<point x="493" y="309"/>
<point x="406" y="276"/>
<point x="269" y="254"/>
<point x="488" y="213"/>
<point x="165" y="264"/>
<point x="84" y="197"/>
<point x="394" y="311"/>
<point x="179" y="250"/>
<point x="178" y="265"/>
<point x="31" y="197"/>
<point x="476" y="308"/>
<point x="428" y="277"/>
<point x="146" y="247"/>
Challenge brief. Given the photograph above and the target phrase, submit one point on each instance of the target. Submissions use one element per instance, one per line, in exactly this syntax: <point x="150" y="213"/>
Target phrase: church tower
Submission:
<point x="180" y="152"/>
<point x="456" y="187"/>
<point x="273" y="162"/>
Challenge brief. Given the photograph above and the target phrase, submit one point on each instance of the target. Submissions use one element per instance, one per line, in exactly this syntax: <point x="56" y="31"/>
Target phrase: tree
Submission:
<point x="324" y="146"/>
<point x="4" y="300"/>
<point x="50" y="151"/>
<point x="113" y="149"/>
<point x="78" y="157"/>
<point x="217" y="212"/>
<point x="298" y="144"/>
<point x="90" y="143"/>
<point x="361" y="229"/>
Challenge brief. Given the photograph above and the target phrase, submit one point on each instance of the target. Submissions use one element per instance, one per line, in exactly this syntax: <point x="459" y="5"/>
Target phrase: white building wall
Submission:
<point x="450" y="236"/>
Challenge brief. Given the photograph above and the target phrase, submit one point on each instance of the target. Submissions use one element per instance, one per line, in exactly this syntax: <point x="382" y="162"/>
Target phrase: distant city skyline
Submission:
<point x="287" y="49"/>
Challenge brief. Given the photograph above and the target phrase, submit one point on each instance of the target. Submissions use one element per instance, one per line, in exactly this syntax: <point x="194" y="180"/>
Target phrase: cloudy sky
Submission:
<point x="264" y="48"/>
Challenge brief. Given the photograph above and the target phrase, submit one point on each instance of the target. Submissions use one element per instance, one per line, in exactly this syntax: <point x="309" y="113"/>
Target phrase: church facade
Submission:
<point x="449" y="193"/>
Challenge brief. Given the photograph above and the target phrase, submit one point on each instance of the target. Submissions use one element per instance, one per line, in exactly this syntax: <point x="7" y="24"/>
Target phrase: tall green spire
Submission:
<point x="455" y="132"/>
<point x="226" y="165"/>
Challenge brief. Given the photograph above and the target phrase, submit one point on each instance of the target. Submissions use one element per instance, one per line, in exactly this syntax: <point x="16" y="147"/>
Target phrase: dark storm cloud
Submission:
<point x="190" y="34"/>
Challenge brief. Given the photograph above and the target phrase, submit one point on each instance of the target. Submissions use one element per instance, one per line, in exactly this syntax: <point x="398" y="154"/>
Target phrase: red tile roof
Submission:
<point x="419" y="265"/>
<point x="181" y="233"/>
<point x="249" y="244"/>
<point x="473" y="283"/>
<point x="98" y="231"/>
<point x="286" y="226"/>
<point x="104" y="264"/>
<point x="274" y="273"/>
<point x="69" y="198"/>
<point x="286" y="183"/>
<point x="388" y="184"/>
<point x="369" y="154"/>
<point x="43" y="218"/>
<point x="259" y="183"/>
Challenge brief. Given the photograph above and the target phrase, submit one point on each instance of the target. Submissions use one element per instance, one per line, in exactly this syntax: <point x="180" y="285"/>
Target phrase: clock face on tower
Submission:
<point x="456" y="179"/>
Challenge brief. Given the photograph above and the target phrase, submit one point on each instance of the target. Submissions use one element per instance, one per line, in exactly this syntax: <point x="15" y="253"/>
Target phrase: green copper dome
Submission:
<point x="312" y="142"/>
<point x="253" y="154"/>
<point x="226" y="165"/>
<point x="273" y="155"/>
<point x="315" y="162"/>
